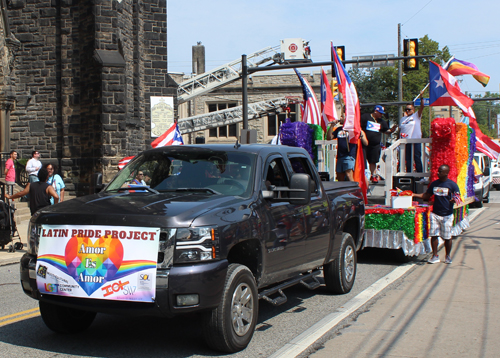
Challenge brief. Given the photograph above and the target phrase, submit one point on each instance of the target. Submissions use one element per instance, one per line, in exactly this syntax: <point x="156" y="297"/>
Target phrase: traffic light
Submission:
<point x="340" y="52"/>
<point x="335" y="87"/>
<point x="410" y="48"/>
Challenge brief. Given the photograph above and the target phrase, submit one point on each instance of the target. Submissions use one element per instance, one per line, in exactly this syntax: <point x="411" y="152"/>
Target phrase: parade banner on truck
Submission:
<point x="101" y="262"/>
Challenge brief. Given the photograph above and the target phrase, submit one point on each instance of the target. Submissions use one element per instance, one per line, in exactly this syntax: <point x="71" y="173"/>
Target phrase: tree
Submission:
<point x="485" y="110"/>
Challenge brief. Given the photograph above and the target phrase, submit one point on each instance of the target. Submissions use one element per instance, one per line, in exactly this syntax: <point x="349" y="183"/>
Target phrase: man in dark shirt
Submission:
<point x="444" y="191"/>
<point x="40" y="192"/>
<point x="373" y="125"/>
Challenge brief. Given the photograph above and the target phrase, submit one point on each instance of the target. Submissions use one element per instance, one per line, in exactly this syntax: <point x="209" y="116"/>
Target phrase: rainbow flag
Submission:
<point x="458" y="67"/>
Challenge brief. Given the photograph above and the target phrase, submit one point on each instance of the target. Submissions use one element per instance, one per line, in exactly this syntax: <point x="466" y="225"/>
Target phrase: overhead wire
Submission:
<point x="416" y="13"/>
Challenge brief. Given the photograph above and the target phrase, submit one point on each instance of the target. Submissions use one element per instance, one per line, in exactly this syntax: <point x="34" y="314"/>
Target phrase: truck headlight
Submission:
<point x="196" y="244"/>
<point x="33" y="238"/>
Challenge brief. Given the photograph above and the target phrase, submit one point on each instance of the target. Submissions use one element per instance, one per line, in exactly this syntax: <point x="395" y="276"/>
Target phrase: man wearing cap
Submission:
<point x="373" y="125"/>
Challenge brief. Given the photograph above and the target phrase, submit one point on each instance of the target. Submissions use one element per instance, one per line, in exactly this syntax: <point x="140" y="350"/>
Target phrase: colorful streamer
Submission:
<point x="414" y="222"/>
<point x="443" y="136"/>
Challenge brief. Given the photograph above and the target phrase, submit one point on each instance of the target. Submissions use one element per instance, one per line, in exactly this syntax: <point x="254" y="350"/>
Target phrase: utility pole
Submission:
<point x="400" y="75"/>
<point x="244" y="80"/>
<point x="489" y="118"/>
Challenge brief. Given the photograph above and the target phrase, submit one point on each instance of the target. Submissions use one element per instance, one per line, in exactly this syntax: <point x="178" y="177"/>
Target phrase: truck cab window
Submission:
<point x="276" y="173"/>
<point x="301" y="165"/>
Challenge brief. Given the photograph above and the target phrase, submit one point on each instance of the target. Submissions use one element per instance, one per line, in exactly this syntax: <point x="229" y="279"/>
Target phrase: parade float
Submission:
<point x="405" y="224"/>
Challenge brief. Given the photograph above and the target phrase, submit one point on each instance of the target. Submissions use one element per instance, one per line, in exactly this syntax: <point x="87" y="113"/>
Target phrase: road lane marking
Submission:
<point x="306" y="339"/>
<point x="19" y="316"/>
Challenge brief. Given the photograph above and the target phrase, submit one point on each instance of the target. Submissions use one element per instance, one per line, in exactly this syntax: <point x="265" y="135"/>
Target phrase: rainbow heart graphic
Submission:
<point x="93" y="264"/>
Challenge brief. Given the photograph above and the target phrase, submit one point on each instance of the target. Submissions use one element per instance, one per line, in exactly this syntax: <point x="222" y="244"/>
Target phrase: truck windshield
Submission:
<point x="187" y="170"/>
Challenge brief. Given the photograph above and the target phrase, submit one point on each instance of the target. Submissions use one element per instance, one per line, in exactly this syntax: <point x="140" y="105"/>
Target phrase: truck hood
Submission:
<point x="135" y="209"/>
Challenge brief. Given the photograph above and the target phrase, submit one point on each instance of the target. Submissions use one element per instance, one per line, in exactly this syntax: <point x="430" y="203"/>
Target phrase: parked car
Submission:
<point x="482" y="183"/>
<point x="216" y="228"/>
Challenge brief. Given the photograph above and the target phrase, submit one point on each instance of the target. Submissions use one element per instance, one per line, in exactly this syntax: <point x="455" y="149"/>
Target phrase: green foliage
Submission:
<point x="22" y="161"/>
<point x="485" y="109"/>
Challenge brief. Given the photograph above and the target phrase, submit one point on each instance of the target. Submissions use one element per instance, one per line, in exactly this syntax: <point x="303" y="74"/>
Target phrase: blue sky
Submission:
<point x="229" y="29"/>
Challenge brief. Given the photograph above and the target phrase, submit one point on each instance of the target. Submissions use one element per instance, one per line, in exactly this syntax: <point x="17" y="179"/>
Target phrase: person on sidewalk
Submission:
<point x="10" y="172"/>
<point x="346" y="152"/>
<point x="56" y="181"/>
<point x="373" y="125"/>
<point x="410" y="128"/>
<point x="40" y="192"/>
<point x="33" y="166"/>
<point x="444" y="191"/>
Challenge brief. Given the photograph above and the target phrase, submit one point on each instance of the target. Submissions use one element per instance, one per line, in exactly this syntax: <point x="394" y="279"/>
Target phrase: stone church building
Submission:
<point x="76" y="78"/>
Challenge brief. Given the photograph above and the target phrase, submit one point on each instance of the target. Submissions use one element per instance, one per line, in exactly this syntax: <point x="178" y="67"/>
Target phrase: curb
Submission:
<point x="11" y="261"/>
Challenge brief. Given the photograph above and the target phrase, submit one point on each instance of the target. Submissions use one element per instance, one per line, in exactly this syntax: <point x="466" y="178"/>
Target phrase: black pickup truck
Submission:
<point x="203" y="228"/>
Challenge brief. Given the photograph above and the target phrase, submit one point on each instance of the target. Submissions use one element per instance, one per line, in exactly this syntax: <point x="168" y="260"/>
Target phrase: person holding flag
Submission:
<point x="352" y="118"/>
<point x="410" y="128"/>
<point x="346" y="152"/>
<point x="373" y="125"/>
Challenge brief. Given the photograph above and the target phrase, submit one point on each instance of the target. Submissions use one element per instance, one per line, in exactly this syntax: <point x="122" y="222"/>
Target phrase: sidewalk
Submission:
<point x="437" y="310"/>
<point x="6" y="257"/>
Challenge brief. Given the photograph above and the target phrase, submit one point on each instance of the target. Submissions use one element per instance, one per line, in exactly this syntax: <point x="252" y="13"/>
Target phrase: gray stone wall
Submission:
<point x="83" y="77"/>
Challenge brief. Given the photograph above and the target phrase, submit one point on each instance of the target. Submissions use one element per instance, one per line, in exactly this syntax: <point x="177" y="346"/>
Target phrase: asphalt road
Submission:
<point x="113" y="336"/>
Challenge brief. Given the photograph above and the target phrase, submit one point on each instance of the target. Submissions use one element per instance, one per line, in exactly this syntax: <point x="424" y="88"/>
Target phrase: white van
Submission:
<point x="482" y="184"/>
<point x="495" y="174"/>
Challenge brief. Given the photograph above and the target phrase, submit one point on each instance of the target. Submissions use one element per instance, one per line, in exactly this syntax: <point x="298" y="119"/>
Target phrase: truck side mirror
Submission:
<point x="96" y="184"/>
<point x="300" y="185"/>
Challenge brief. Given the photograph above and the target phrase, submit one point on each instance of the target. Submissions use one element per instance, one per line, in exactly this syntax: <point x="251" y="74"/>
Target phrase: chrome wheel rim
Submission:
<point x="242" y="309"/>
<point x="349" y="264"/>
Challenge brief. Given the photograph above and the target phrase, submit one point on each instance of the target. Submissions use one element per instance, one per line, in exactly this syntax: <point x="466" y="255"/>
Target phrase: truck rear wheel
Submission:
<point x="230" y="326"/>
<point x="341" y="273"/>
<point x="65" y="320"/>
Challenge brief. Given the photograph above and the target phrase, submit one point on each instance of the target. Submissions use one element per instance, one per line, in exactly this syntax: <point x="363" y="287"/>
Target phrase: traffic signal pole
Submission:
<point x="248" y="71"/>
<point x="400" y="75"/>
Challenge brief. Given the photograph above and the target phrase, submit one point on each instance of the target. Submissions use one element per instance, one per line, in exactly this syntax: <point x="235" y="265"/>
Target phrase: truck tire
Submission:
<point x="341" y="273"/>
<point x="230" y="326"/>
<point x="65" y="320"/>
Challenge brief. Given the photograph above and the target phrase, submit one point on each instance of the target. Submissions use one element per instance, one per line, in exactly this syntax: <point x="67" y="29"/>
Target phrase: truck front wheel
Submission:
<point x="65" y="320"/>
<point x="340" y="273"/>
<point x="230" y="326"/>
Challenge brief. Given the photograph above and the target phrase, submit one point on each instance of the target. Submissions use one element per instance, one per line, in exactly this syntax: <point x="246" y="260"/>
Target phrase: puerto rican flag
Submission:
<point x="373" y="127"/>
<point x="311" y="113"/>
<point x="352" y="112"/>
<point x="445" y="91"/>
<point x="171" y="137"/>
<point x="124" y="161"/>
